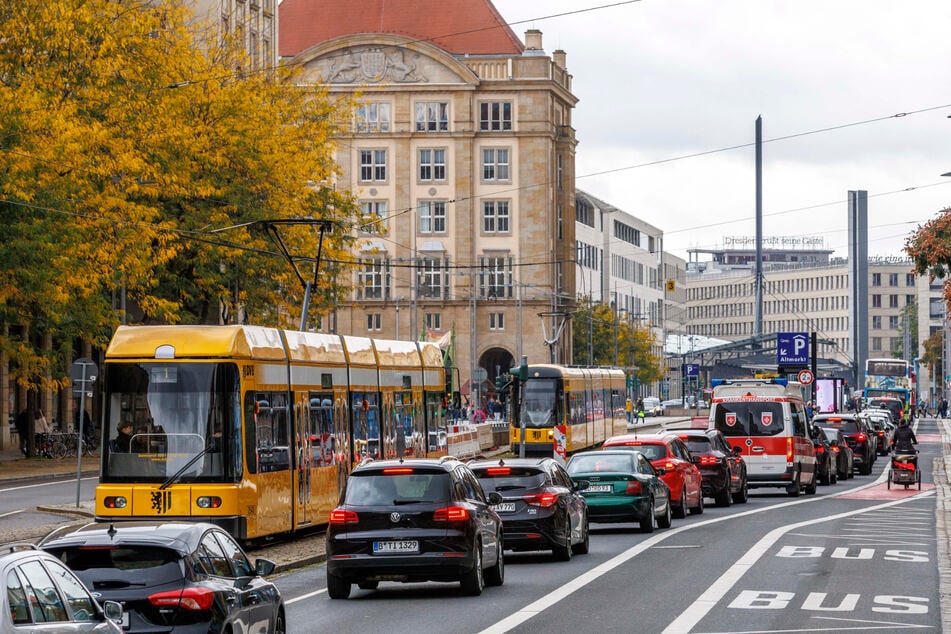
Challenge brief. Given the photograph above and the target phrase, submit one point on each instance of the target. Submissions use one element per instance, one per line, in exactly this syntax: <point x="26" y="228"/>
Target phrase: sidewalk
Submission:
<point x="13" y="466"/>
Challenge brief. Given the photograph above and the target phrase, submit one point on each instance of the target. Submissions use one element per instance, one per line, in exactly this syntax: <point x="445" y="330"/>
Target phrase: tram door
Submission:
<point x="302" y="456"/>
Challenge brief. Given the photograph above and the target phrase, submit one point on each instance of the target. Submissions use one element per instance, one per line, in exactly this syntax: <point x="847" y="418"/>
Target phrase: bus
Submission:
<point x="253" y="428"/>
<point x="894" y="378"/>
<point x="589" y="402"/>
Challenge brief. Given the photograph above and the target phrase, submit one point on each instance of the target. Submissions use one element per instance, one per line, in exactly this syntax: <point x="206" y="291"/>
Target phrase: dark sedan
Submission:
<point x="622" y="486"/>
<point x="825" y="467"/>
<point x="541" y="507"/>
<point x="722" y="468"/>
<point x="175" y="578"/>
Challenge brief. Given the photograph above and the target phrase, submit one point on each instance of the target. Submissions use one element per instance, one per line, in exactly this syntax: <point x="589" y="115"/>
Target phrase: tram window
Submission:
<point x="271" y="432"/>
<point x="250" y="433"/>
<point x="321" y="429"/>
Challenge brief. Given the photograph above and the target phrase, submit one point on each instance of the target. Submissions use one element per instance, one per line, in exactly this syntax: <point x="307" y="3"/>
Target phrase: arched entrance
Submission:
<point x="495" y="361"/>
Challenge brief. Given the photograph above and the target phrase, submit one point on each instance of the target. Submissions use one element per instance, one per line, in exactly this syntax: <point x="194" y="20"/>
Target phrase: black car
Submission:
<point x="857" y="435"/>
<point x="414" y="520"/>
<point x="43" y="595"/>
<point x="722" y="468"/>
<point x="825" y="467"/>
<point x="541" y="507"/>
<point x="174" y="578"/>
<point x="841" y="452"/>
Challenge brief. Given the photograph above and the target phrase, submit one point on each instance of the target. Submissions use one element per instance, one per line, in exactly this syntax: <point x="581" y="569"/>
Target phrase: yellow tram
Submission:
<point x="254" y="428"/>
<point x="588" y="401"/>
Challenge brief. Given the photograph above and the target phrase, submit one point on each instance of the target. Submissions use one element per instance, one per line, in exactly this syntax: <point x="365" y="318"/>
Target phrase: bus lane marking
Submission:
<point x="552" y="598"/>
<point x="718" y="590"/>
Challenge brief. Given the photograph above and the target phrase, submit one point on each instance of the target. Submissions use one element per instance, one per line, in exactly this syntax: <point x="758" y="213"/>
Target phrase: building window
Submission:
<point x="432" y="164"/>
<point x="372" y="280"/>
<point x="496" y="321"/>
<point x="877" y="322"/>
<point x="876" y="279"/>
<point x="374" y="321"/>
<point x="495" y="115"/>
<point x="373" y="166"/>
<point x="495" y="277"/>
<point x="372" y="117"/>
<point x="560" y="171"/>
<point x="627" y="233"/>
<point x="432" y="277"/>
<point x="909" y="300"/>
<point x="432" y="216"/>
<point x="909" y="279"/>
<point x="495" y="216"/>
<point x="373" y="216"/>
<point x="433" y="321"/>
<point x="893" y="279"/>
<point x="876" y="343"/>
<point x="893" y="321"/>
<point x="893" y="301"/>
<point x="876" y="301"/>
<point x="495" y="165"/>
<point x="584" y="213"/>
<point x="432" y="116"/>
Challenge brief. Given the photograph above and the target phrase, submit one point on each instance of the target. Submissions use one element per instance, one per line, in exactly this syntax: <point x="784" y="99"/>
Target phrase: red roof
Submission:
<point x="457" y="26"/>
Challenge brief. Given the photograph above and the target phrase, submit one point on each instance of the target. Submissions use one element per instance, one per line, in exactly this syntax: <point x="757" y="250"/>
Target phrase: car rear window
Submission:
<point x="749" y="418"/>
<point x="651" y="451"/>
<point x="613" y="463"/>
<point x="698" y="445"/>
<point x="121" y="566"/>
<point x="510" y="478"/>
<point x="846" y="426"/>
<point x="377" y="488"/>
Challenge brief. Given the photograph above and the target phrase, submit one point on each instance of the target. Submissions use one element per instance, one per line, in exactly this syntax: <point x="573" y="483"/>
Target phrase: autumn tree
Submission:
<point x="614" y="341"/>
<point x="139" y="157"/>
<point x="929" y="247"/>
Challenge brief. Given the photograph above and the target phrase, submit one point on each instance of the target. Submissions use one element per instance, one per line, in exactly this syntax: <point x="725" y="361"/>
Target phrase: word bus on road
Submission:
<point x="256" y="429"/>
<point x="892" y="378"/>
<point x="589" y="402"/>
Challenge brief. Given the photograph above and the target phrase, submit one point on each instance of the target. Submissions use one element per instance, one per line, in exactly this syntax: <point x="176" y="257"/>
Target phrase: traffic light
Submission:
<point x="520" y="373"/>
<point x="500" y="384"/>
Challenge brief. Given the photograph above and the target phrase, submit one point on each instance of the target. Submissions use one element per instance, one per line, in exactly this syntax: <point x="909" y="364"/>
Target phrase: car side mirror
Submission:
<point x="737" y="450"/>
<point x="112" y="611"/>
<point x="495" y="498"/>
<point x="264" y="567"/>
<point x="660" y="471"/>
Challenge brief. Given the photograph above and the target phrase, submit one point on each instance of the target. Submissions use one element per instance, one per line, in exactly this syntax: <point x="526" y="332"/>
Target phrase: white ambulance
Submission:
<point x="766" y="419"/>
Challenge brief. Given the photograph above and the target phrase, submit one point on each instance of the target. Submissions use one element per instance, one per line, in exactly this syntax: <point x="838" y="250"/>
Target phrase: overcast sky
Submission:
<point x="663" y="79"/>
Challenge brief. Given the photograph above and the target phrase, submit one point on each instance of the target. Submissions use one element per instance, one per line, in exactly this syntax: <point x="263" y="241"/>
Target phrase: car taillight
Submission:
<point x="541" y="499"/>
<point x="835" y="449"/>
<point x="789" y="450"/>
<point x="861" y="438"/>
<point x="708" y="460"/>
<point x="670" y="466"/>
<point x="633" y="487"/>
<point x="881" y="434"/>
<point x="343" y="516"/>
<point x="187" y="599"/>
<point x="493" y="471"/>
<point x="451" y="514"/>
<point x="398" y="470"/>
<point x="820" y="449"/>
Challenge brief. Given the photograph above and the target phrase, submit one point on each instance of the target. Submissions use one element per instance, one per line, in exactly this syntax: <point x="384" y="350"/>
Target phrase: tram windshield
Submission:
<point x="161" y="416"/>
<point x="539" y="403"/>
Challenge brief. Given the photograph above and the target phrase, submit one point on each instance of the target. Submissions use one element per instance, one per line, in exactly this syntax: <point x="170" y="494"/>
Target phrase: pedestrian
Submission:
<point x="640" y="410"/>
<point x="943" y="408"/>
<point x="22" y="423"/>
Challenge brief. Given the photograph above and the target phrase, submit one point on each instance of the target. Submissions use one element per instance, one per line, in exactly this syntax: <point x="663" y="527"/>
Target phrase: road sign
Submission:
<point x="480" y="374"/>
<point x="792" y="348"/>
<point x="83" y="374"/>
<point x="805" y="377"/>
<point x="692" y="370"/>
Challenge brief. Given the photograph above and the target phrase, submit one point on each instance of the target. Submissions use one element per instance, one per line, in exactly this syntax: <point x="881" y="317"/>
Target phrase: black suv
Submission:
<point x="541" y="507"/>
<point x="862" y="441"/>
<point x="175" y="577"/>
<point x="722" y="468"/>
<point x="414" y="520"/>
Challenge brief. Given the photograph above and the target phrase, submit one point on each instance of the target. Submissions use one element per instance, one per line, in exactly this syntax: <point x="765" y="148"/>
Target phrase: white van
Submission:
<point x="766" y="419"/>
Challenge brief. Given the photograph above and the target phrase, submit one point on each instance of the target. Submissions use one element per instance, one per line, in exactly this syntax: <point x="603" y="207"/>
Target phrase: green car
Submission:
<point x="622" y="486"/>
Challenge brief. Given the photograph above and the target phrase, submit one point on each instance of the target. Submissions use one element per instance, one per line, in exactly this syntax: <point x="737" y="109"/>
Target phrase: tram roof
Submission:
<point x="189" y="342"/>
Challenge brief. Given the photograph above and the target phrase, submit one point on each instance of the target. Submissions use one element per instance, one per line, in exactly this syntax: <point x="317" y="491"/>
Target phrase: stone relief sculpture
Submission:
<point x="373" y="65"/>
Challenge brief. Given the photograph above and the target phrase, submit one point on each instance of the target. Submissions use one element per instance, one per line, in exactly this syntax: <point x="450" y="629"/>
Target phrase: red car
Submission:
<point x="668" y="452"/>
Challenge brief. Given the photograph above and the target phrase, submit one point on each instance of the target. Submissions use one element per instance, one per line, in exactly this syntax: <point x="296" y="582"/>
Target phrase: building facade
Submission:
<point x="461" y="153"/>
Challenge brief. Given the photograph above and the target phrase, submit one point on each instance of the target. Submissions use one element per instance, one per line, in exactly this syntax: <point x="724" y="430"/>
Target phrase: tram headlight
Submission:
<point x="208" y="502"/>
<point x="115" y="502"/>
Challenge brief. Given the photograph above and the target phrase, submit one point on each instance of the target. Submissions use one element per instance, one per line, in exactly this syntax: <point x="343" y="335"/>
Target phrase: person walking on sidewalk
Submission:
<point x="22" y="423"/>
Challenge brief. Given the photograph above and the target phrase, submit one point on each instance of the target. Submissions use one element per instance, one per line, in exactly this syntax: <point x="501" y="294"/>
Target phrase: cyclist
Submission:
<point x="904" y="441"/>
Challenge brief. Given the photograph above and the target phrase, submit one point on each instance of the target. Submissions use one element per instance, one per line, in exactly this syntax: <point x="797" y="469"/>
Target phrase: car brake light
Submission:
<point x="543" y="500"/>
<point x="343" y="516"/>
<point x="493" y="471"/>
<point x="633" y="487"/>
<point x="633" y="443"/>
<point x="789" y="450"/>
<point x="187" y="599"/>
<point x="451" y="514"/>
<point x="708" y="460"/>
<point x="860" y="438"/>
<point x="670" y="466"/>
<point x="820" y="449"/>
<point x="835" y="449"/>
<point x="398" y="470"/>
<point x="881" y="434"/>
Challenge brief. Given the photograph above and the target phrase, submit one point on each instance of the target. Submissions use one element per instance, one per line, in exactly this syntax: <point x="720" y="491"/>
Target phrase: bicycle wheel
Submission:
<point x="58" y="450"/>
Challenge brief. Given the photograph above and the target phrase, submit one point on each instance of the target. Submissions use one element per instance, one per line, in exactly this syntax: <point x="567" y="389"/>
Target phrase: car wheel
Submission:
<point x="562" y="552"/>
<point x="472" y="582"/>
<point x="582" y="547"/>
<point x="794" y="488"/>
<point x="722" y="497"/>
<point x="680" y="511"/>
<point x="337" y="587"/>
<point x="279" y="627"/>
<point x="867" y="468"/>
<point x="368" y="585"/>
<point x="833" y="476"/>
<point x="664" y="521"/>
<point x="698" y="509"/>
<point x="743" y="495"/>
<point x="495" y="576"/>
<point x="812" y="486"/>
<point x="826" y="478"/>
<point x="647" y="524"/>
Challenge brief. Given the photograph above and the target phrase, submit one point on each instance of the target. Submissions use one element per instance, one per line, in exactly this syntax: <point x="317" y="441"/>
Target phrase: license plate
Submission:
<point x="402" y="546"/>
<point x="599" y="488"/>
<point x="505" y="507"/>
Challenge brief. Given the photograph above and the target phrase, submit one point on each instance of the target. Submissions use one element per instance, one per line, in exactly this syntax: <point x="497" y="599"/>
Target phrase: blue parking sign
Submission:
<point x="792" y="348"/>
<point x="692" y="370"/>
